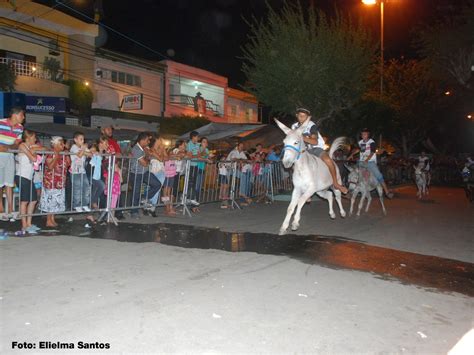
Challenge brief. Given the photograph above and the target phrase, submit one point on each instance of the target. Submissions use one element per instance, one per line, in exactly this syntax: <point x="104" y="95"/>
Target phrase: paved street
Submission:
<point x="150" y="297"/>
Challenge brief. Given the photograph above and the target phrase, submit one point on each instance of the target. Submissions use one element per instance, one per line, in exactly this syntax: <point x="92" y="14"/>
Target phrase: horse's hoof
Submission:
<point x="343" y="214"/>
<point x="294" y="228"/>
<point x="282" y="232"/>
<point x="333" y="216"/>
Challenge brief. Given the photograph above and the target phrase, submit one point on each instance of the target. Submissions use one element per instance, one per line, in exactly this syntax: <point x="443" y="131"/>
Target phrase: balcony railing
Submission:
<point x="31" y="69"/>
<point x="188" y="101"/>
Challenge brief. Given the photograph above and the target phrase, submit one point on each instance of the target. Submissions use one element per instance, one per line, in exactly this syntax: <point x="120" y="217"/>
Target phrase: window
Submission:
<point x="138" y="81"/>
<point x="125" y="78"/>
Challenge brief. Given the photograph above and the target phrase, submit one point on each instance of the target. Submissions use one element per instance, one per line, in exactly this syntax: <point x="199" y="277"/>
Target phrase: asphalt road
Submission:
<point x="155" y="298"/>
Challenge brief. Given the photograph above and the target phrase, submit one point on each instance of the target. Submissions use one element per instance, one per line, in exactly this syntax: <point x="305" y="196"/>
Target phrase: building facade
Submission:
<point x="46" y="47"/>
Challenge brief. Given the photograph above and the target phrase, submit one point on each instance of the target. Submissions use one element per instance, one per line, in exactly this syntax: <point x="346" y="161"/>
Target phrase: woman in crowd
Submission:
<point x="53" y="198"/>
<point x="158" y="155"/>
<point x="25" y="162"/>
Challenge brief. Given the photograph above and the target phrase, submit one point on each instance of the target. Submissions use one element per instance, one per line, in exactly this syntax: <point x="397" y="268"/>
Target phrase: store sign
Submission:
<point x="133" y="102"/>
<point x="40" y="104"/>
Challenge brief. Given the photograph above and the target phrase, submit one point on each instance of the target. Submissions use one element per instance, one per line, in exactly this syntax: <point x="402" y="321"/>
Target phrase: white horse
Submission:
<point x="363" y="181"/>
<point x="310" y="175"/>
<point x="421" y="181"/>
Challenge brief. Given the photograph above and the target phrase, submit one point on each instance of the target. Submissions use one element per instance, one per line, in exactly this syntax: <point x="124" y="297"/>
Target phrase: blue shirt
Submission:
<point x="193" y="148"/>
<point x="273" y="157"/>
<point x="96" y="162"/>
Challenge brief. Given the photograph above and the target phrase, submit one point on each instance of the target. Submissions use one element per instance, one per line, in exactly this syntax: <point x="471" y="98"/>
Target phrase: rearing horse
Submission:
<point x="310" y="175"/>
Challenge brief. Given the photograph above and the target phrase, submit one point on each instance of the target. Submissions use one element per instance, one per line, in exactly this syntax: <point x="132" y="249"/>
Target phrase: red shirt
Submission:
<point x="114" y="147"/>
<point x="56" y="178"/>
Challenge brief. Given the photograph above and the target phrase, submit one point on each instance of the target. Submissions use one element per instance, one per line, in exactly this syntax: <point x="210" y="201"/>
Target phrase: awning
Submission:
<point x="220" y="131"/>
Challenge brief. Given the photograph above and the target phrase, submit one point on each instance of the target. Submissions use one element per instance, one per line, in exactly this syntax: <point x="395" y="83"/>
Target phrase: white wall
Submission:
<point x="108" y="95"/>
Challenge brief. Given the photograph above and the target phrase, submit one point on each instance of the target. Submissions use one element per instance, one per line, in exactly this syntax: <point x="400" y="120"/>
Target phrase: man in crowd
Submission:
<point x="315" y="144"/>
<point x="114" y="147"/>
<point x="368" y="159"/>
<point x="192" y="152"/>
<point x="139" y="173"/>
<point x="11" y="131"/>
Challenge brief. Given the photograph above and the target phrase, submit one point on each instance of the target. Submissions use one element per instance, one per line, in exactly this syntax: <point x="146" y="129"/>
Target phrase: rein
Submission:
<point x="298" y="150"/>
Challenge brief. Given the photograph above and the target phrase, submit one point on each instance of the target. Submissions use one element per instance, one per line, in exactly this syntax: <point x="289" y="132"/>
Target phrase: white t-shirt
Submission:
<point x="425" y="162"/>
<point x="77" y="164"/>
<point x="24" y="166"/>
<point x="223" y="168"/>
<point x="309" y="130"/>
<point x="236" y="155"/>
<point x="179" y="163"/>
<point x="367" y="148"/>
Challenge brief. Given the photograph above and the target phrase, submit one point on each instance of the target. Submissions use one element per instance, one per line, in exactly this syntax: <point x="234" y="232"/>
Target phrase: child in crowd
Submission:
<point x="116" y="186"/>
<point x="25" y="162"/>
<point x="98" y="185"/>
<point x="223" y="181"/>
<point x="170" y="175"/>
<point x="79" y="180"/>
<point x="53" y="198"/>
<point x="179" y="153"/>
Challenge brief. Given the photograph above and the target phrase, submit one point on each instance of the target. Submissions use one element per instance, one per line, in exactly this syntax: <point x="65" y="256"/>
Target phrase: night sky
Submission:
<point x="209" y="34"/>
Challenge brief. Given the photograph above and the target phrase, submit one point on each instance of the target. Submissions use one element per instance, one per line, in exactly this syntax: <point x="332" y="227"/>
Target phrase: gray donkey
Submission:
<point x="361" y="180"/>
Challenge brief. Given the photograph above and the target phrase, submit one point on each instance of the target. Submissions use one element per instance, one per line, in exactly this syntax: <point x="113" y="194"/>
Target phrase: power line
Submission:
<point x="111" y="29"/>
<point x="110" y="86"/>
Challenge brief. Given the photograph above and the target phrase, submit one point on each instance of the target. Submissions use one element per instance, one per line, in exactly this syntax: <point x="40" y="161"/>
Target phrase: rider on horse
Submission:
<point x="368" y="159"/>
<point x="315" y="143"/>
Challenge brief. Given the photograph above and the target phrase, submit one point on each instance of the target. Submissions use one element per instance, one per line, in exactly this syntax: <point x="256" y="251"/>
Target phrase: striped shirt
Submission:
<point x="9" y="134"/>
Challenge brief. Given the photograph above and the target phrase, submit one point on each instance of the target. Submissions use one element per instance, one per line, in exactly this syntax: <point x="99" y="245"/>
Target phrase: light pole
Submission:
<point x="381" y="2"/>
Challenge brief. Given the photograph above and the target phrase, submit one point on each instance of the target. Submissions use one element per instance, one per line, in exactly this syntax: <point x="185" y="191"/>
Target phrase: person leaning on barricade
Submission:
<point x="11" y="130"/>
<point x="25" y="165"/>
<point x="192" y="152"/>
<point x="242" y="172"/>
<point x="139" y="173"/>
<point x="53" y="198"/>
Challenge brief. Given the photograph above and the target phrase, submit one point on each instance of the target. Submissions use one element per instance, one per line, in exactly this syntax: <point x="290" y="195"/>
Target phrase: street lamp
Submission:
<point x="381" y="2"/>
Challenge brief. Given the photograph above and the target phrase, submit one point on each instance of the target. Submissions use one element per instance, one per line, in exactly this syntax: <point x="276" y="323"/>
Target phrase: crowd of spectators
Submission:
<point x="73" y="176"/>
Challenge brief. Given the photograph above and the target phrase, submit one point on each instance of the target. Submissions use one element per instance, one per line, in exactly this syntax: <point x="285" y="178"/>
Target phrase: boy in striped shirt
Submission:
<point x="11" y="131"/>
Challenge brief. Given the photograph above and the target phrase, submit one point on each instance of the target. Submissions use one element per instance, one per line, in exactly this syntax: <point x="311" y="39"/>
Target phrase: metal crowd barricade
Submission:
<point x="56" y="189"/>
<point x="125" y="185"/>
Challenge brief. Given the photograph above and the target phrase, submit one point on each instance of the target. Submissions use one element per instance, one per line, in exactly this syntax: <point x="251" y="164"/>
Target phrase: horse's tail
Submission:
<point x="338" y="143"/>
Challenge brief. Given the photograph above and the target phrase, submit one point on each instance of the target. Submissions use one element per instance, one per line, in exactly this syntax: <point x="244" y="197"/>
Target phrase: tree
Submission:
<point x="304" y="58"/>
<point x="52" y="66"/>
<point x="414" y="99"/>
<point x="181" y="124"/>
<point x="80" y="97"/>
<point x="449" y="47"/>
<point x="7" y="77"/>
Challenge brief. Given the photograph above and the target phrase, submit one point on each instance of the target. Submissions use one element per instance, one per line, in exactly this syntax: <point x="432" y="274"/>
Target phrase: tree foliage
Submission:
<point x="449" y="47"/>
<point x="304" y="58"/>
<point x="7" y="77"/>
<point x="179" y="125"/>
<point x="414" y="99"/>
<point x="52" y="66"/>
<point x="80" y="97"/>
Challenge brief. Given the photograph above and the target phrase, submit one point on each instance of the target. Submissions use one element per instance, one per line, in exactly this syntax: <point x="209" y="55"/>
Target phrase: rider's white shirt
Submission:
<point x="366" y="150"/>
<point x="307" y="132"/>
<point x="425" y="161"/>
